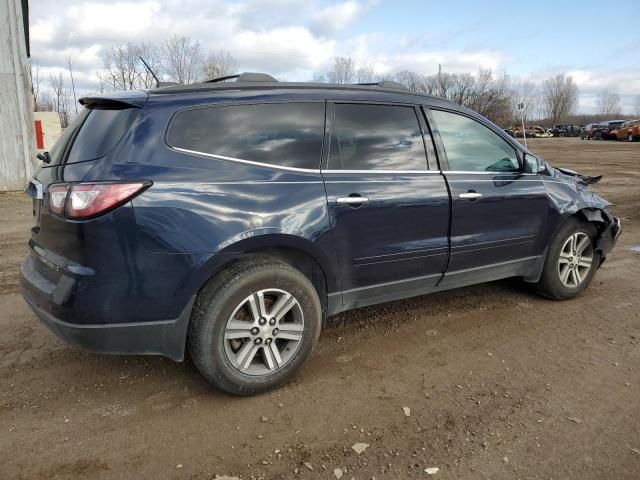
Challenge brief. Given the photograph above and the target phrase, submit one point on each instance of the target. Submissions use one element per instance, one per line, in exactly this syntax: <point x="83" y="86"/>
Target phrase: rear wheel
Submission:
<point x="254" y="326"/>
<point x="571" y="262"/>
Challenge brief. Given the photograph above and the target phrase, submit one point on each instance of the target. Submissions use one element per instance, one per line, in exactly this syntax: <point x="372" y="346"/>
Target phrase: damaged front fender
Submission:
<point x="570" y="195"/>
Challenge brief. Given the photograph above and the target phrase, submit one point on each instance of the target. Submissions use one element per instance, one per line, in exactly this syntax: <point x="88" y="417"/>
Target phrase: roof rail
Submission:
<point x="245" y="77"/>
<point x="386" y="84"/>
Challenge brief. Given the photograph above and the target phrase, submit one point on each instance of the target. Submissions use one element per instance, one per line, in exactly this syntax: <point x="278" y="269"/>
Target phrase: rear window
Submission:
<point x="280" y="134"/>
<point x="93" y="134"/>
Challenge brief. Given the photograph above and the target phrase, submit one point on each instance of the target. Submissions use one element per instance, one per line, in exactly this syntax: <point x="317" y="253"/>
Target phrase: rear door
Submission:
<point x="498" y="210"/>
<point x="389" y="211"/>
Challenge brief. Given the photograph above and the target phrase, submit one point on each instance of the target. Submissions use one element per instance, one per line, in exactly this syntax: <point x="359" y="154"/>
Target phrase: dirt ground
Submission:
<point x="501" y="384"/>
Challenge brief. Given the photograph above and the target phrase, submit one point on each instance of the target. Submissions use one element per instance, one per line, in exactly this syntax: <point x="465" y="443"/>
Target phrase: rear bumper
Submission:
<point x="166" y="337"/>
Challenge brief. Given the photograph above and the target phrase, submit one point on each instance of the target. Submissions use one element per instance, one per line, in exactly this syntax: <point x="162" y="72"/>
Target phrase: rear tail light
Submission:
<point x="57" y="198"/>
<point x="86" y="200"/>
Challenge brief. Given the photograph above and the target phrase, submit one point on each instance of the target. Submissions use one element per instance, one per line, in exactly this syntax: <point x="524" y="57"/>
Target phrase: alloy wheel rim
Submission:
<point x="576" y="259"/>
<point x="264" y="332"/>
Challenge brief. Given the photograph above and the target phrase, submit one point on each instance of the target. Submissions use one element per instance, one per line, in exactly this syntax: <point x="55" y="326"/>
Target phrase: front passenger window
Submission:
<point x="472" y="147"/>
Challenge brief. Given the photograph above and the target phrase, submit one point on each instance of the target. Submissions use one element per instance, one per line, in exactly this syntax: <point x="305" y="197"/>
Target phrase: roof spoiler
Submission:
<point x="116" y="100"/>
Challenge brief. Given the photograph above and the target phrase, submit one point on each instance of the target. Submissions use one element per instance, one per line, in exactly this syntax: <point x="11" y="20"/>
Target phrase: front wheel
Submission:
<point x="571" y="261"/>
<point x="254" y="325"/>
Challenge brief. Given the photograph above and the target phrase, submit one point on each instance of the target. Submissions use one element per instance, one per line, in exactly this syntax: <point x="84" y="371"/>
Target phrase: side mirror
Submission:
<point x="44" y="157"/>
<point x="533" y="164"/>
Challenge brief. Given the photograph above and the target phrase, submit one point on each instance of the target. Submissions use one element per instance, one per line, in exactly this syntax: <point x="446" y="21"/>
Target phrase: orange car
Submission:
<point x="630" y="130"/>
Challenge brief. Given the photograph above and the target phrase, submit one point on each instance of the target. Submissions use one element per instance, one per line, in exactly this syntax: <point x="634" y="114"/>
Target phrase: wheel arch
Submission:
<point x="598" y="217"/>
<point x="298" y="252"/>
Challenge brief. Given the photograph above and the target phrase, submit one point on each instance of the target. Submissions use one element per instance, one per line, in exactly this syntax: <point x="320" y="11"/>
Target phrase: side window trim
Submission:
<point x="427" y="140"/>
<point x="330" y="123"/>
<point x="198" y="153"/>
<point x="442" y="153"/>
<point x="443" y="162"/>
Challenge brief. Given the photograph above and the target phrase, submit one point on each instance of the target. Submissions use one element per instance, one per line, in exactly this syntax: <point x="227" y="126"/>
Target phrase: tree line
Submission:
<point x="183" y="60"/>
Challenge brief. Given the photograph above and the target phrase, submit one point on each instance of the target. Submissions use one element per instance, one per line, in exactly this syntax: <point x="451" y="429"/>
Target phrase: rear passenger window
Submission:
<point x="376" y="137"/>
<point x="281" y="134"/>
<point x="470" y="146"/>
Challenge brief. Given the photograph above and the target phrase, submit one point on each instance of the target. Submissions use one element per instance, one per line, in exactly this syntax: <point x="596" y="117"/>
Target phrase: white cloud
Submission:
<point x="335" y="18"/>
<point x="122" y="20"/>
<point x="288" y="38"/>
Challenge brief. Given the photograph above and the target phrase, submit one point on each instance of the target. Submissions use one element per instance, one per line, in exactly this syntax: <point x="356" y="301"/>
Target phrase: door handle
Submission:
<point x="351" y="200"/>
<point x="470" y="195"/>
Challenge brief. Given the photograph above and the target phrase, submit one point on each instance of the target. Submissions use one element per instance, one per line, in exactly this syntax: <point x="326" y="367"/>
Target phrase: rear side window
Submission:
<point x="470" y="146"/>
<point x="376" y="137"/>
<point x="96" y="132"/>
<point x="280" y="134"/>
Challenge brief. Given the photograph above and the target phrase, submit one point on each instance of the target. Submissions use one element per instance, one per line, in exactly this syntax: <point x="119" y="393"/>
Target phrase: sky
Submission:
<point x="599" y="47"/>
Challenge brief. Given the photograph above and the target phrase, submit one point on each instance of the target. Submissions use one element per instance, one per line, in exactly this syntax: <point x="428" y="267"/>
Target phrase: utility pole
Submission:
<point x="73" y="85"/>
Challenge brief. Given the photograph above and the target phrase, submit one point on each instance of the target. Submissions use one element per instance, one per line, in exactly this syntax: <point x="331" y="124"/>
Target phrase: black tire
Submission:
<point x="218" y="300"/>
<point x="550" y="284"/>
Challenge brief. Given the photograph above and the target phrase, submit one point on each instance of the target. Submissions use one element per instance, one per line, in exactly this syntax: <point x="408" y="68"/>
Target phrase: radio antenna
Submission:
<point x="150" y="71"/>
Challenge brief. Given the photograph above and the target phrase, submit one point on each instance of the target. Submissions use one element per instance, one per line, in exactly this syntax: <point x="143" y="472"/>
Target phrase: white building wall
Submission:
<point x="17" y="145"/>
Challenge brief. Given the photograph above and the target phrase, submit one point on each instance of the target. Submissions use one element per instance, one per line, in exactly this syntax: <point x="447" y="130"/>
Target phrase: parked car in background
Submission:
<point x="566" y="130"/>
<point x="606" y="130"/>
<point x="588" y="131"/>
<point x="541" y="132"/>
<point x="630" y="130"/>
<point x="528" y="132"/>
<point x="232" y="218"/>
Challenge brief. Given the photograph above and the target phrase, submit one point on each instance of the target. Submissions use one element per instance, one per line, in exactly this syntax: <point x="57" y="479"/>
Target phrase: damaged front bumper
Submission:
<point x="608" y="238"/>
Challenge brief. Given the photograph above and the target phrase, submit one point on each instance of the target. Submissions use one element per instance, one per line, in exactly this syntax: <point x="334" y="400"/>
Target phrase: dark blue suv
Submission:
<point x="231" y="218"/>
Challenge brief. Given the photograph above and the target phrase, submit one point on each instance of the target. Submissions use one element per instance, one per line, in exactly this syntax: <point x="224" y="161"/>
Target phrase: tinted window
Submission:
<point x="100" y="132"/>
<point x="57" y="150"/>
<point x="287" y="135"/>
<point x="376" y="137"/>
<point x="470" y="146"/>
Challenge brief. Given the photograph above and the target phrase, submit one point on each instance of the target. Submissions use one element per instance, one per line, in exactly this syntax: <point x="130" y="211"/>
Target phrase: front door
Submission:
<point x="498" y="210"/>
<point x="389" y="212"/>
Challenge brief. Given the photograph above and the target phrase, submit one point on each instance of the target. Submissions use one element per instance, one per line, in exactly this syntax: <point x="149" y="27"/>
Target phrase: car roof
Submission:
<point x="250" y="81"/>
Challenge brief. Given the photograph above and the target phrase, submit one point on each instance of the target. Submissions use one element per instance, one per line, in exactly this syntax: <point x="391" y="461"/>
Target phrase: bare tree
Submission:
<point x="46" y="102"/>
<point x="153" y="56"/>
<point x="61" y="96"/>
<point x="319" y="78"/>
<point x="636" y="106"/>
<point x="491" y="96"/>
<point x="608" y="102"/>
<point x="560" y="96"/>
<point x="123" y="69"/>
<point x="343" y="71"/>
<point x="219" y="63"/>
<point x="34" y="73"/>
<point x="415" y="82"/>
<point x="366" y="73"/>
<point x="73" y="85"/>
<point x="183" y="59"/>
<point x="526" y="92"/>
